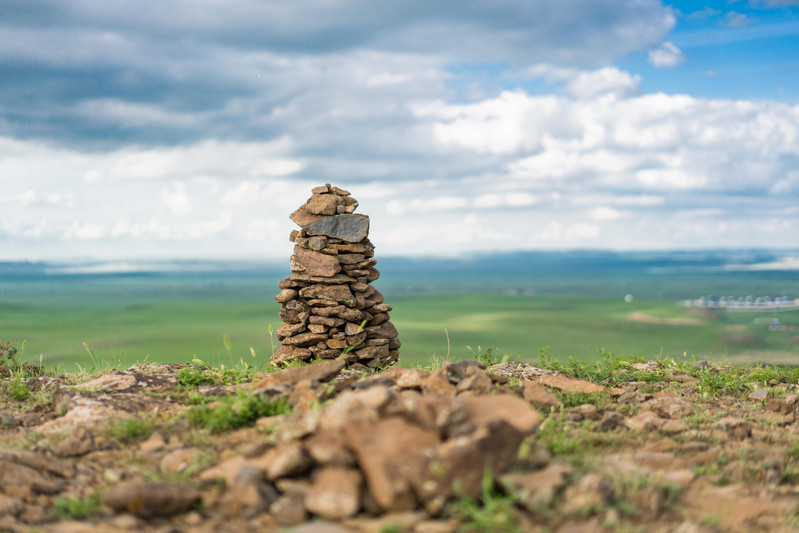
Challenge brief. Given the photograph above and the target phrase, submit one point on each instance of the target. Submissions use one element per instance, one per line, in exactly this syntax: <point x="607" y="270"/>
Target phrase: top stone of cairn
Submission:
<point x="328" y="212"/>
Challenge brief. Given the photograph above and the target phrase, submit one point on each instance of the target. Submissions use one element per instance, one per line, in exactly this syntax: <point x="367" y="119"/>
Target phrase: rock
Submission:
<point x="780" y="406"/>
<point x="151" y="499"/>
<point x="540" y="397"/>
<point x="323" y="371"/>
<point x="323" y="204"/>
<point x="392" y="456"/>
<point x="247" y="500"/>
<point x="333" y="293"/>
<point x="472" y="412"/>
<point x="586" y="411"/>
<point x="458" y="465"/>
<point x="9" y="506"/>
<point x="287" y="459"/>
<point x="289" y="509"/>
<point x="315" y="263"/>
<point x="177" y="461"/>
<point x="403" y="522"/>
<point x="327" y="448"/>
<point x="611" y="421"/>
<point x="438" y="384"/>
<point x="303" y="217"/>
<point x="349" y="228"/>
<point x="735" y="426"/>
<point x="591" y="494"/>
<point x="155" y="443"/>
<point x="668" y="407"/>
<point x="536" y="491"/>
<point x="760" y="395"/>
<point x="286" y="295"/>
<point x="568" y="384"/>
<point x="317" y="527"/>
<point x="335" y="493"/>
<point x="436" y="526"/>
<point x="22" y="479"/>
<point x="646" y="421"/>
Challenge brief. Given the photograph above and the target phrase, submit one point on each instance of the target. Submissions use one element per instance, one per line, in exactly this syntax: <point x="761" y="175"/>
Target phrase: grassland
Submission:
<point x="164" y="326"/>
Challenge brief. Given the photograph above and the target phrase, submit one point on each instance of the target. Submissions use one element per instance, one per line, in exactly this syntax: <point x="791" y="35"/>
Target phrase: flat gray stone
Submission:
<point x="350" y="228"/>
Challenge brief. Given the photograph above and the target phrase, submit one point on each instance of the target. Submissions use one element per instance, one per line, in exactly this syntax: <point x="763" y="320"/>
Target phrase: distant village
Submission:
<point x="747" y="303"/>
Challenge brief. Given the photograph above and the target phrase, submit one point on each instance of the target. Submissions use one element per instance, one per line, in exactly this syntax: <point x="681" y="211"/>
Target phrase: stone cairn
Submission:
<point x="327" y="303"/>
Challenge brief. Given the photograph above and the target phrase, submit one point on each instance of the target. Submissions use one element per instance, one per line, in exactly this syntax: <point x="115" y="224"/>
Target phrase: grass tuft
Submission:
<point x="235" y="411"/>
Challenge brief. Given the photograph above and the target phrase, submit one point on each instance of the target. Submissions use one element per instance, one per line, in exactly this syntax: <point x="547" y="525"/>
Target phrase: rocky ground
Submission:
<point x="616" y="446"/>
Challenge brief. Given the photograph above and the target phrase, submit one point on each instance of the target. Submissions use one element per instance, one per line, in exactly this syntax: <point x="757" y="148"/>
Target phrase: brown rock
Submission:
<point x="247" y="501"/>
<point x="287" y="330"/>
<point x="293" y="312"/>
<point x="385" y="330"/>
<point x="151" y="499"/>
<point x="476" y="411"/>
<point x="611" y="421"/>
<point x="760" y="395"/>
<point x="350" y="259"/>
<point x="317" y="243"/>
<point x="735" y="426"/>
<point x="303" y="217"/>
<point x="286" y="295"/>
<point x="20" y="478"/>
<point x="591" y="494"/>
<point x="540" y="397"/>
<point x="438" y="384"/>
<point x="289" y="509"/>
<point x="350" y="315"/>
<point x="372" y="352"/>
<point x="667" y="407"/>
<point x="458" y="466"/>
<point x="537" y="490"/>
<point x="391" y="454"/>
<point x="334" y="293"/>
<point x="9" y="507"/>
<point x="287" y="459"/>
<point x="304" y="340"/>
<point x="327" y="321"/>
<point x="289" y="353"/>
<point x="359" y="248"/>
<point x="315" y="263"/>
<point x="568" y="384"/>
<point x="327" y="448"/>
<point x="154" y="443"/>
<point x="478" y="383"/>
<point x="335" y="493"/>
<point x="177" y="461"/>
<point x="646" y="421"/>
<point x="322" y="204"/>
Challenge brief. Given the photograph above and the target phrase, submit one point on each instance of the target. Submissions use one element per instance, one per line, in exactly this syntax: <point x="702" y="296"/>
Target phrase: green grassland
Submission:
<point x="162" y="326"/>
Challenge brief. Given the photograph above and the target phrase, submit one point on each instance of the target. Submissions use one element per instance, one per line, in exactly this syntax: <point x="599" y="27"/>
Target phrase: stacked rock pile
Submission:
<point x="327" y="303"/>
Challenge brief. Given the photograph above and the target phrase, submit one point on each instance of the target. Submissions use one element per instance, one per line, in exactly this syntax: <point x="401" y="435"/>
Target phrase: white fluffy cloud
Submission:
<point x="666" y="55"/>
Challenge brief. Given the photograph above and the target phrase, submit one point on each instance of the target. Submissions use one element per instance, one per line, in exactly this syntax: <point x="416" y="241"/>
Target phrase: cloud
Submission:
<point x="111" y="77"/>
<point x="176" y="199"/>
<point x="666" y="55"/>
<point x="736" y="20"/>
<point x="488" y="126"/>
<point x="608" y="80"/>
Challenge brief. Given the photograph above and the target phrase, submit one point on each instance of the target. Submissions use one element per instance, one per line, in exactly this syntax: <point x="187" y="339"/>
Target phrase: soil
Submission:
<point x="650" y="447"/>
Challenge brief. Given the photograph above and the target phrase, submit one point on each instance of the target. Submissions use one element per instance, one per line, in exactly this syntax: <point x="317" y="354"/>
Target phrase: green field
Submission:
<point x="162" y="326"/>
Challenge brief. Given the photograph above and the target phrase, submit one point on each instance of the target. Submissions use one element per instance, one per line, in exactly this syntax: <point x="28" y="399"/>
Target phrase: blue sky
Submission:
<point x="193" y="128"/>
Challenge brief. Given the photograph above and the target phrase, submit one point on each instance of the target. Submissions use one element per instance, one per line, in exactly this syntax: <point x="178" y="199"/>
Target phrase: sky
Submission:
<point x="193" y="128"/>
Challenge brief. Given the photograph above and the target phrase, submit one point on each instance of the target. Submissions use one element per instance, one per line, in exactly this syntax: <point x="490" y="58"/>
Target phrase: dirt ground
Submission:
<point x="628" y="446"/>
